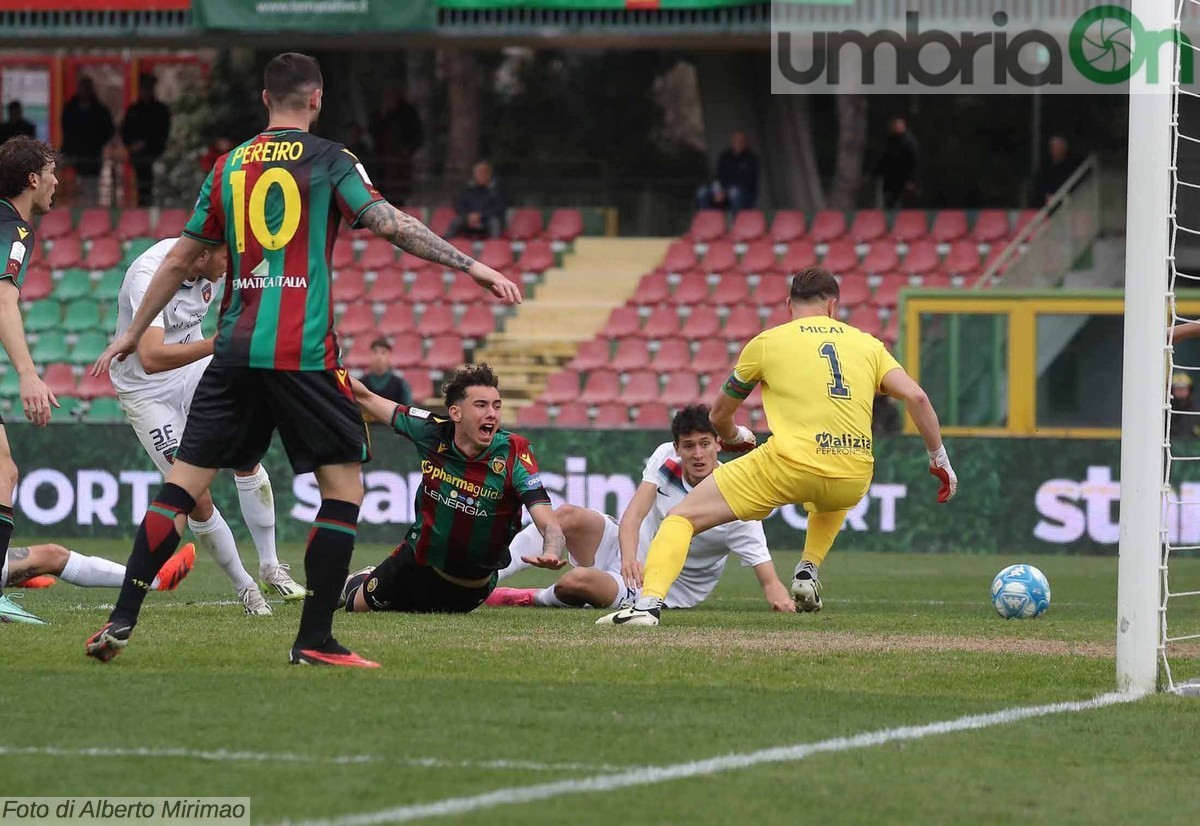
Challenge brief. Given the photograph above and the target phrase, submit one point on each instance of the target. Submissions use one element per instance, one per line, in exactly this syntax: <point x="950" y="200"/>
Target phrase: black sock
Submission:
<point x="156" y="540"/>
<point x="326" y="565"/>
<point x="6" y="530"/>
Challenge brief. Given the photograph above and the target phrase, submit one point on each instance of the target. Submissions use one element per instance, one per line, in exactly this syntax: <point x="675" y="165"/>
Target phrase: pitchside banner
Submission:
<point x="1014" y="495"/>
<point x="334" y="16"/>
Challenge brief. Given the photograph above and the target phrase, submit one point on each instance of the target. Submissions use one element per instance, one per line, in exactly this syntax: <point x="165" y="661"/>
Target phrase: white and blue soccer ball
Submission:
<point x="1020" y="592"/>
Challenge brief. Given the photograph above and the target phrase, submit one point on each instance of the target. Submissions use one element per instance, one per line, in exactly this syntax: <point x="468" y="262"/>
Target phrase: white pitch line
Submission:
<point x="224" y="756"/>
<point x="108" y="606"/>
<point x="650" y="775"/>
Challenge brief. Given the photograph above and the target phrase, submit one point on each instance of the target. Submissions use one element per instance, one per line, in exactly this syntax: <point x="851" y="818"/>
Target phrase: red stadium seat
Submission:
<point x="622" y="322"/>
<point x="422" y="385"/>
<point x="759" y="257"/>
<point x="681" y="390"/>
<point x="389" y="287"/>
<point x="868" y="225"/>
<point x="749" y="225"/>
<point x="60" y="380"/>
<point x="592" y="354"/>
<point x="408" y="349"/>
<point x="611" y="415"/>
<point x="171" y="223"/>
<point x="772" y="290"/>
<point x="95" y="387"/>
<point x="702" y="323"/>
<point x="349" y="286"/>
<point x="358" y="320"/>
<point x="54" y="225"/>
<point x="641" y="388"/>
<point x="526" y="223"/>
<point x="881" y="258"/>
<point x="936" y="280"/>
<point x="427" y="286"/>
<point x="411" y="263"/>
<point x="910" y="225"/>
<point x="356" y="356"/>
<point x="778" y="316"/>
<point x="464" y="290"/>
<point x="343" y="254"/>
<point x="632" y="354"/>
<point x="680" y="256"/>
<point x="800" y="254"/>
<point x="653" y="415"/>
<point x="440" y="220"/>
<point x="379" y="255"/>
<point x="963" y="258"/>
<point x="105" y="253"/>
<point x="67" y="252"/>
<point x="854" y="290"/>
<point x="533" y="415"/>
<point x="1024" y="218"/>
<point x="829" y="225"/>
<point x="446" y="352"/>
<point x="733" y="288"/>
<point x="991" y="225"/>
<point x="891" y="331"/>
<point x="95" y="222"/>
<point x="922" y="258"/>
<point x="949" y="225"/>
<point x="841" y="257"/>
<point x="887" y="294"/>
<point x="572" y="414"/>
<point x="497" y="253"/>
<point x="478" y="321"/>
<point x="787" y="226"/>
<point x="398" y="318"/>
<point x="133" y="223"/>
<point x="602" y="386"/>
<point x="662" y="323"/>
<point x="691" y="290"/>
<point x="537" y="257"/>
<point x="673" y="354"/>
<point x="707" y="225"/>
<point x="562" y="386"/>
<point x="866" y="319"/>
<point x="713" y="381"/>
<point x="418" y="212"/>
<point x="652" y="289"/>
<point x="438" y="319"/>
<point x="713" y="354"/>
<point x="565" y="225"/>
<point x="720" y="257"/>
<point x="38" y="284"/>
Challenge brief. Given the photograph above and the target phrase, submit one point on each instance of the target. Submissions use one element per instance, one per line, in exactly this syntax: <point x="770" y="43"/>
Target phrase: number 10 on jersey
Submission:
<point x="257" y="208"/>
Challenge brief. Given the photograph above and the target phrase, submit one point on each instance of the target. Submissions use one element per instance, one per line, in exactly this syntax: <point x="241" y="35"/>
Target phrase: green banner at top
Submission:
<point x="328" y="16"/>
<point x="587" y="5"/>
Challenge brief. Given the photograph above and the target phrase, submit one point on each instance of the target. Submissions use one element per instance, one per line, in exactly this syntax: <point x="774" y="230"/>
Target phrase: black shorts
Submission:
<point x="400" y="584"/>
<point x="235" y="410"/>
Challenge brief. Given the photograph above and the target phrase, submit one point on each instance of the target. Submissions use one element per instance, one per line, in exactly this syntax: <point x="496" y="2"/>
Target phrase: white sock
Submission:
<point x="92" y="572"/>
<point x="548" y="599"/>
<point x="258" y="510"/>
<point x="215" y="537"/>
<point x="527" y="543"/>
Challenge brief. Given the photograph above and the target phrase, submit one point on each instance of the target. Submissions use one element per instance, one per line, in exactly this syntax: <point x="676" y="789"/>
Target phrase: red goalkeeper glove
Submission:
<point x="939" y="468"/>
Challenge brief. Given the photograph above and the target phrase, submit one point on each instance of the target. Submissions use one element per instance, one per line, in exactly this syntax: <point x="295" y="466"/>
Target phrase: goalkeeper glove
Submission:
<point x="939" y="468"/>
<point x="743" y="441"/>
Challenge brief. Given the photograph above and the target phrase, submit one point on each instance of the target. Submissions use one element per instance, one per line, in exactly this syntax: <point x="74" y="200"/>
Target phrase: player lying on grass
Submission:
<point x="819" y="377"/>
<point x="608" y="559"/>
<point x="475" y="477"/>
<point x="156" y="384"/>
<point x="23" y="567"/>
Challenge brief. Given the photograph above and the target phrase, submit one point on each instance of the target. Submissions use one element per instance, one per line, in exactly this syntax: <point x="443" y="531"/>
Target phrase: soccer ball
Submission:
<point x="1020" y="592"/>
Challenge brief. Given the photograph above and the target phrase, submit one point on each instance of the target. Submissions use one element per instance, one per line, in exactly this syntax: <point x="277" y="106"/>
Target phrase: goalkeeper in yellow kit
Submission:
<point x="819" y="377"/>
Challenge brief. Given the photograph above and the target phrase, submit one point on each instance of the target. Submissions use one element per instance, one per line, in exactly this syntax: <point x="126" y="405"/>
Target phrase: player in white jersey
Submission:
<point x="34" y="567"/>
<point x="608" y="558"/>
<point x="155" y="386"/>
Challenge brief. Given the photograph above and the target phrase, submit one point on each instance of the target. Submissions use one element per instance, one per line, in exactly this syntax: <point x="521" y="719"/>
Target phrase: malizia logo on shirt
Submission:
<point x="843" y="444"/>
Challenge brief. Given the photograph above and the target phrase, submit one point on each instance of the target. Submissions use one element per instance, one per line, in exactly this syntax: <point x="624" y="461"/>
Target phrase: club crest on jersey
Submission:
<point x="206" y="292"/>
<point x="497" y="465"/>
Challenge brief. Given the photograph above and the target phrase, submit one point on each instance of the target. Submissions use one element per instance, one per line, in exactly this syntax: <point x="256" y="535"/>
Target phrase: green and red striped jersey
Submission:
<point x="468" y="508"/>
<point x="16" y="243"/>
<point x="276" y="202"/>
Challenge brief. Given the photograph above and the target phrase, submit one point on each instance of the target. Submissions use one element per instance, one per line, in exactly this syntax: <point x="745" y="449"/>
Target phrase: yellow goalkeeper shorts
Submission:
<point x="756" y="483"/>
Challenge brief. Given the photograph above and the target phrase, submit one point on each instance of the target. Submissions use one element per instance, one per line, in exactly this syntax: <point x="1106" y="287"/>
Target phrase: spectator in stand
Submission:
<point x="396" y="133"/>
<point x="897" y="166"/>
<point x="1183" y="426"/>
<point x="215" y="150"/>
<point x="16" y="123"/>
<point x="144" y="132"/>
<point x="380" y="379"/>
<point x="1054" y="174"/>
<point x="480" y="207"/>
<point x="87" y="127"/>
<point x="736" y="185"/>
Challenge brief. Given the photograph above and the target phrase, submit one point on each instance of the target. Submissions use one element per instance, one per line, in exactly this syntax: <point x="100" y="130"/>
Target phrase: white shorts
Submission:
<point x="689" y="590"/>
<point x="158" y="416"/>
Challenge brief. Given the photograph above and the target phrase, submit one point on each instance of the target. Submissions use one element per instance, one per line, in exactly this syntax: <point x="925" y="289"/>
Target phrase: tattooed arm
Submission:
<point x="410" y="235"/>
<point x="553" y="540"/>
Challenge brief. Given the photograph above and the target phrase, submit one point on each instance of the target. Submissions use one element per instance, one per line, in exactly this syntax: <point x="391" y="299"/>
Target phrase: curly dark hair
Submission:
<point x="691" y="419"/>
<point x="813" y="283"/>
<point x="21" y="157"/>
<point x="472" y="375"/>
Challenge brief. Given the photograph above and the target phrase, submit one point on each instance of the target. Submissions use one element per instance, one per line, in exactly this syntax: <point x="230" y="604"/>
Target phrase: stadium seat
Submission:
<point x="866" y="319"/>
<point x="464" y="290"/>
<point x="42" y="316"/>
<point x="963" y="258"/>
<point x="880" y="258"/>
<point x="652" y="289"/>
<point x="464" y="245"/>
<point x="398" y="318"/>
<point x="75" y="283"/>
<point x="349" y="286"/>
<point x="681" y="389"/>
<point x="691" y="290"/>
<point x="81" y="314"/>
<point x="478" y="321"/>
<point x="497" y="253"/>
<point x="133" y="223"/>
<point x="702" y="323"/>
<point x="171" y="223"/>
<point x="96" y="387"/>
<point x="936" y="280"/>
<point x="134" y="249"/>
<point x="732" y="289"/>
<point x="389" y="288"/>
<point x="841" y="257"/>
<point x="742" y="324"/>
<point x="622" y="322"/>
<point x="533" y="415"/>
<point x="854" y="290"/>
<point x="829" y="225"/>
<point x="662" y="323"/>
<point x="446" y="352"/>
<point x="572" y="414"/>
<point x="378" y="255"/>
<point x="714" y="354"/>
<point x="800" y="254"/>
<point x="356" y="356"/>
<point x="922" y="258"/>
<point x="60" y="380"/>
<point x="537" y="257"/>
<point x="673" y="354"/>
<point x="748" y="225"/>
<point x="88" y="346"/>
<point x="10" y="384"/>
<point x="1024" y="218"/>
<point x="408" y="349"/>
<point x="991" y="225"/>
<point x="104" y="411"/>
<point x="592" y="355"/>
<point x="437" y="320"/>
<point x="758" y="258"/>
<point x="67" y="252"/>
<point x="95" y="222"/>
<point x="787" y="226"/>
<point x="343" y="254"/>
<point x="108" y="288"/>
<point x="777" y="316"/>
<point x="611" y="415"/>
<point x="910" y="225"/>
<point x="526" y="224"/>
<point x="713" y="381"/>
<point x="418" y="212"/>
<point x="110" y="316"/>
<point x="631" y="354"/>
<point x="68" y="409"/>
<point x="641" y="388"/>
<point x="104" y="253"/>
<point x="421" y="383"/>
<point x="54" y="225"/>
<point x="680" y="257"/>
<point x="561" y="387"/>
<point x="427" y="286"/>
<point x="707" y="225"/>
<point x="440" y="220"/>
<point x="949" y="225"/>
<point x="720" y="257"/>
<point x="653" y="415"/>
<point x="565" y="225"/>
<point x="887" y="294"/>
<point x="50" y="347"/>
<point x="868" y="225"/>
<point x="37" y="284"/>
<point x="772" y="290"/>
<point x="411" y="263"/>
<point x="601" y="386"/>
<point x="358" y="320"/>
<point x="891" y="330"/>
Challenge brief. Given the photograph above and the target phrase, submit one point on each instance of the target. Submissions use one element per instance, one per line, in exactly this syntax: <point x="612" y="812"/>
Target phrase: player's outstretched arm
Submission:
<point x="629" y="532"/>
<point x="379" y="407"/>
<point x="158" y="357"/>
<point x="778" y="596"/>
<point x="410" y="235"/>
<point x="899" y="385"/>
<point x="733" y="436"/>
<point x="36" y="398"/>
<point x="553" y="539"/>
<point x="173" y="271"/>
<point x="1181" y="332"/>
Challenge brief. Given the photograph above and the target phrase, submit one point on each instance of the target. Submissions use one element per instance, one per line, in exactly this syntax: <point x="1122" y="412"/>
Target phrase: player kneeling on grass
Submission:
<point x="608" y="559"/>
<point x="474" y="479"/>
<point x="819" y="377"/>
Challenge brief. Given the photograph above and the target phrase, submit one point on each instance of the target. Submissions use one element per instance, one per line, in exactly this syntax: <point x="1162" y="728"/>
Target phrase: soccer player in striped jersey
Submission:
<point x="276" y="203"/>
<point x="475" y="477"/>
<point x="27" y="183"/>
